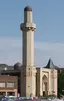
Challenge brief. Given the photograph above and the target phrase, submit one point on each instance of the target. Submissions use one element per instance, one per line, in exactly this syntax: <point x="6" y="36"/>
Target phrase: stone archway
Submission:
<point x="45" y="85"/>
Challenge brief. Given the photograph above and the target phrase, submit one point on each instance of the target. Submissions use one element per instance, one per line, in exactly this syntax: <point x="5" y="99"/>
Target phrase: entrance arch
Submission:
<point x="45" y="85"/>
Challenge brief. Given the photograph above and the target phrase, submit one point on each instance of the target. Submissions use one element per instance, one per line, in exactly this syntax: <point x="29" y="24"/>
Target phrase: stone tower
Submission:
<point x="28" y="72"/>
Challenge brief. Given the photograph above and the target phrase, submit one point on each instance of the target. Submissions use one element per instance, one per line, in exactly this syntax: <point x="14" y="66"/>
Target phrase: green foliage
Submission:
<point x="61" y="83"/>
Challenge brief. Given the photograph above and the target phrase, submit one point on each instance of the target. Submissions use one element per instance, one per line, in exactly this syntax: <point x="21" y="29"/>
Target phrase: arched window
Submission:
<point x="44" y="78"/>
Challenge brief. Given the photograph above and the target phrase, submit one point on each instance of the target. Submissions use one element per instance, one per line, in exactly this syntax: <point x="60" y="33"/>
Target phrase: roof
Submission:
<point x="6" y="67"/>
<point x="27" y="8"/>
<point x="50" y="65"/>
<point x="10" y="71"/>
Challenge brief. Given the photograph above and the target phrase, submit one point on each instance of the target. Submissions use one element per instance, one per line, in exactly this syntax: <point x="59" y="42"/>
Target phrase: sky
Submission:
<point x="48" y="15"/>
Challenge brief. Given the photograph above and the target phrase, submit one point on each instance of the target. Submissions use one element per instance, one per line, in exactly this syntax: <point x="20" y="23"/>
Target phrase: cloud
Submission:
<point x="45" y="50"/>
<point x="11" y="52"/>
<point x="49" y="46"/>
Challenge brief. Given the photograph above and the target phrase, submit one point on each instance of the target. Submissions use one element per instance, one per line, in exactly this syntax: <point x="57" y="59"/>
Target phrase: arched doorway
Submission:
<point x="45" y="85"/>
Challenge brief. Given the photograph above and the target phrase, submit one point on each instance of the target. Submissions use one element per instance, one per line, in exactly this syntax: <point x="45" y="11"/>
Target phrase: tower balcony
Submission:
<point x="27" y="26"/>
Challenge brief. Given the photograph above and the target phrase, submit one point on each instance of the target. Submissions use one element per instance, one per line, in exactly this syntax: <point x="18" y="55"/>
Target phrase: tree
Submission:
<point x="60" y="83"/>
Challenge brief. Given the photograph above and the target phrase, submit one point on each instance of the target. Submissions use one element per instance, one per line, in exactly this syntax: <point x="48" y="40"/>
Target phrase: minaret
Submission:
<point x="28" y="74"/>
<point x="28" y="29"/>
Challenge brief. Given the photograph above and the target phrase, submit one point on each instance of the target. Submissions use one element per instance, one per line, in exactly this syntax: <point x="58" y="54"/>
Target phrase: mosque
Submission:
<point x="35" y="81"/>
<point x="27" y="79"/>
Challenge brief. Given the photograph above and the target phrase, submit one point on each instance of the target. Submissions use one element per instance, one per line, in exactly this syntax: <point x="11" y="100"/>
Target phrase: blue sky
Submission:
<point x="49" y="36"/>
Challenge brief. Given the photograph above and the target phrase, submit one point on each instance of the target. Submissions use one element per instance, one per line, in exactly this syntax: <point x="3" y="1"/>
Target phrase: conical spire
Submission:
<point x="50" y="64"/>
